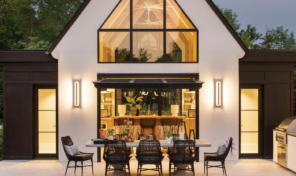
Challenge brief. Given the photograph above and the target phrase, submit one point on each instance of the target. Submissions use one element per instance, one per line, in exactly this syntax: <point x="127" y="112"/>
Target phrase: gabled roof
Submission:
<point x="86" y="2"/>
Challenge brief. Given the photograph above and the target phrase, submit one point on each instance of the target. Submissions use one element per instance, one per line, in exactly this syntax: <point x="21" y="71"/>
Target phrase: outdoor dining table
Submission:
<point x="163" y="143"/>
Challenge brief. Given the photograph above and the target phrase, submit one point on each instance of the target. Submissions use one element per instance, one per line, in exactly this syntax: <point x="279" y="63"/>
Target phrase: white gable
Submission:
<point x="214" y="37"/>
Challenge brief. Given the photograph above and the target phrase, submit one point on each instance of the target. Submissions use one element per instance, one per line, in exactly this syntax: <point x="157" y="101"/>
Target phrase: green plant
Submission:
<point x="133" y="101"/>
<point x="110" y="131"/>
<point x="168" y="133"/>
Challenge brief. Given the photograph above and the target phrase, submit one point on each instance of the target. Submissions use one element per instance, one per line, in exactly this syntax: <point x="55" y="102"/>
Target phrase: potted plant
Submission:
<point x="169" y="136"/>
<point x="110" y="134"/>
<point x="134" y="104"/>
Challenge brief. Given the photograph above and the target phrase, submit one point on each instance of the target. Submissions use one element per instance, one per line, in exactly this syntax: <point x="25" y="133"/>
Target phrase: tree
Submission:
<point x="250" y="36"/>
<point x="231" y="17"/>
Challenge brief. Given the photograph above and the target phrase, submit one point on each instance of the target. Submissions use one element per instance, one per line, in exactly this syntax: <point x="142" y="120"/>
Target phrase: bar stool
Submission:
<point x="147" y="123"/>
<point x="169" y="121"/>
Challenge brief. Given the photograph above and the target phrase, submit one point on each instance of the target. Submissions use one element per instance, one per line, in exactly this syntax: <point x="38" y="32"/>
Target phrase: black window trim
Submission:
<point x="164" y="30"/>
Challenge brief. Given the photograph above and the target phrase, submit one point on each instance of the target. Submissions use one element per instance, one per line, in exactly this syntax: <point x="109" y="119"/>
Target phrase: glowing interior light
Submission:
<point x="218" y="93"/>
<point x="76" y="93"/>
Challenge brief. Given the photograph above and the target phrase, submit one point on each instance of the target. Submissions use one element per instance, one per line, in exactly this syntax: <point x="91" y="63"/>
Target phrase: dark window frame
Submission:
<point x="164" y="30"/>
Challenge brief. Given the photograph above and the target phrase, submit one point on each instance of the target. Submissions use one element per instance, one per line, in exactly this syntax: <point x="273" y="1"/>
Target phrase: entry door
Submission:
<point x="250" y="121"/>
<point x="46" y="121"/>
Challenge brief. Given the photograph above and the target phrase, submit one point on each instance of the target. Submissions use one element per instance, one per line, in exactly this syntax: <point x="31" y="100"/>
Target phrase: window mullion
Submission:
<point x="164" y="30"/>
<point x="131" y="30"/>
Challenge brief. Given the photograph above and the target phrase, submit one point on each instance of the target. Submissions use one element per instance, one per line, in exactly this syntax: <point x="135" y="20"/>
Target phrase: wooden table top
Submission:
<point x="163" y="143"/>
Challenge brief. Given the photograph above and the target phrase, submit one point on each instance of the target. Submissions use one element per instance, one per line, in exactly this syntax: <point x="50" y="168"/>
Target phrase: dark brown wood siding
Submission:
<point x="276" y="77"/>
<point x="19" y="78"/>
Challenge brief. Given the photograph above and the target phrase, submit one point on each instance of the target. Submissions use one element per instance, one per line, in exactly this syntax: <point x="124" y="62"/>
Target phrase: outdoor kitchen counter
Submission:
<point x="147" y="117"/>
<point x="163" y="143"/>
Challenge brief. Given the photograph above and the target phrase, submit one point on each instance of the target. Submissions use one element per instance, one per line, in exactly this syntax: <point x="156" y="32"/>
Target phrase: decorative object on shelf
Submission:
<point x="191" y="113"/>
<point x="175" y="110"/>
<point x="134" y="104"/>
<point x="103" y="125"/>
<point x="128" y="131"/>
<point x="184" y="113"/>
<point x="121" y="110"/>
<point x="110" y="134"/>
<point x="169" y="136"/>
<point x="104" y="113"/>
<point x="191" y="135"/>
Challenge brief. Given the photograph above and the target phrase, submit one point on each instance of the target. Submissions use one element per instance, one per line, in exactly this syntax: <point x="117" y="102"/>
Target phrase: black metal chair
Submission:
<point x="218" y="158"/>
<point x="82" y="157"/>
<point x="116" y="153"/>
<point x="149" y="152"/>
<point x="169" y="121"/>
<point x="183" y="152"/>
<point x="145" y="136"/>
<point x="147" y="123"/>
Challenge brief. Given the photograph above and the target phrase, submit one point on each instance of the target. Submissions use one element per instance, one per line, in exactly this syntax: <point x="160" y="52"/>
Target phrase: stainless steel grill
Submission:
<point x="287" y="126"/>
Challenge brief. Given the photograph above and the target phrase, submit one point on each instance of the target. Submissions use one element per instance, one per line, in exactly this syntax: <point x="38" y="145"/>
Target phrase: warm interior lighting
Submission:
<point x="76" y="93"/>
<point x="218" y="93"/>
<point x="104" y="91"/>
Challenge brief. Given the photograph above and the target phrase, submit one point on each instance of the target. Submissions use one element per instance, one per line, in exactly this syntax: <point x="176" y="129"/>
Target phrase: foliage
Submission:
<point x="110" y="131"/>
<point x="278" y="38"/>
<point x="168" y="133"/>
<point x="133" y="102"/>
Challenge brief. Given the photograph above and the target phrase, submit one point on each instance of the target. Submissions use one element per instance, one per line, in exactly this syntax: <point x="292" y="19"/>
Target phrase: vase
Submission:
<point x="133" y="111"/>
<point x="169" y="140"/>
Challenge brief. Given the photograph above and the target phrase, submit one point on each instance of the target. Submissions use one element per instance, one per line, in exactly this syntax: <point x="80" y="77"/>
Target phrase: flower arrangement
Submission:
<point x="128" y="131"/>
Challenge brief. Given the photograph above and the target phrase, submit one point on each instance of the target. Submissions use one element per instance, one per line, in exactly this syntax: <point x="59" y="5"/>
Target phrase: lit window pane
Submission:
<point x="120" y="18"/>
<point x="181" y="47"/>
<point x="114" y="46"/>
<point x="47" y="99"/>
<point x="147" y="14"/>
<point x="150" y="102"/>
<point x="175" y="18"/>
<point x="147" y="46"/>
<point x="170" y="97"/>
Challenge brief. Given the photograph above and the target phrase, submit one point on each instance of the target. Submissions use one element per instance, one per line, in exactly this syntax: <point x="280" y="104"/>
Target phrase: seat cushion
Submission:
<point x="71" y="150"/>
<point x="84" y="156"/>
<point x="212" y="157"/>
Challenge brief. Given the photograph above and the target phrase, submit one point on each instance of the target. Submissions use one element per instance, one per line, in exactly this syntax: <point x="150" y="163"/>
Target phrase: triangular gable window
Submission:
<point x="149" y="31"/>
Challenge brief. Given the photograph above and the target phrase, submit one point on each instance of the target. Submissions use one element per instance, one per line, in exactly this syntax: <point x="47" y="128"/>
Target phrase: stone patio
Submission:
<point x="56" y="168"/>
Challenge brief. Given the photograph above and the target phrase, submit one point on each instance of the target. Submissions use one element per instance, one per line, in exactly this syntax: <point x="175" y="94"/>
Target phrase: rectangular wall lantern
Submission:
<point x="218" y="88"/>
<point x="76" y="93"/>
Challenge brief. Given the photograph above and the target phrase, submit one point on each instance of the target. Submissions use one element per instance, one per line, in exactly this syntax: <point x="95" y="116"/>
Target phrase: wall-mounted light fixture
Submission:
<point x="76" y="98"/>
<point x="218" y="93"/>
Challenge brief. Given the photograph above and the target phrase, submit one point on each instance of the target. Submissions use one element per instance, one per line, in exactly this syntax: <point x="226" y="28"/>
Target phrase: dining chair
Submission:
<point x="183" y="152"/>
<point x="68" y="147"/>
<point x="217" y="158"/>
<point x="116" y="153"/>
<point x="146" y="136"/>
<point x="149" y="153"/>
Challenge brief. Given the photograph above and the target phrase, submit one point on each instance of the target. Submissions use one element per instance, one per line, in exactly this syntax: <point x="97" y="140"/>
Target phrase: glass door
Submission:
<point x="250" y="118"/>
<point x="46" y="122"/>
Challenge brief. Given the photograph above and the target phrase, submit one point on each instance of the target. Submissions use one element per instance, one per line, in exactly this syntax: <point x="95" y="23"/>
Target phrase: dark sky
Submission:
<point x="263" y="13"/>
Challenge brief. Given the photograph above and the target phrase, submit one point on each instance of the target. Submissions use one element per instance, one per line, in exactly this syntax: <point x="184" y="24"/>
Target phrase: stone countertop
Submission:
<point x="163" y="143"/>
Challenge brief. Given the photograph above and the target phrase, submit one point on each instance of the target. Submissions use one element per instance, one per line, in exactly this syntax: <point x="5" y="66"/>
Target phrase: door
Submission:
<point x="250" y="121"/>
<point x="46" y="144"/>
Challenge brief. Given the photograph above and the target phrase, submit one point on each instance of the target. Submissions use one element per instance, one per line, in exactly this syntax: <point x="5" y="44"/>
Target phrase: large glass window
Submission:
<point x="148" y="31"/>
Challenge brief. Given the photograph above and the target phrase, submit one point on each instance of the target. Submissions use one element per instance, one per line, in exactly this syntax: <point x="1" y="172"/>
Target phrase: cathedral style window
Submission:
<point x="145" y="31"/>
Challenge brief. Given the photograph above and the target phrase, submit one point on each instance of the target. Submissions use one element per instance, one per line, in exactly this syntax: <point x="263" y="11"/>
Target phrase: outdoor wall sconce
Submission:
<point x="218" y="93"/>
<point x="76" y="98"/>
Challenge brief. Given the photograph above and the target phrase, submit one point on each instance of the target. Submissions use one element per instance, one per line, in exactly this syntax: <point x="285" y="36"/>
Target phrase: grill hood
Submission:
<point x="288" y="125"/>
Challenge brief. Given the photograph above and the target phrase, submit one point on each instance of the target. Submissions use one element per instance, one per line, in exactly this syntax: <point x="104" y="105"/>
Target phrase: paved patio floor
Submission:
<point x="56" y="168"/>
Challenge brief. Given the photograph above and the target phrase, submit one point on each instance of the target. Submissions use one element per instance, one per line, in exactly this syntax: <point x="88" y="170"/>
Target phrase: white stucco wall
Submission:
<point x="77" y="54"/>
